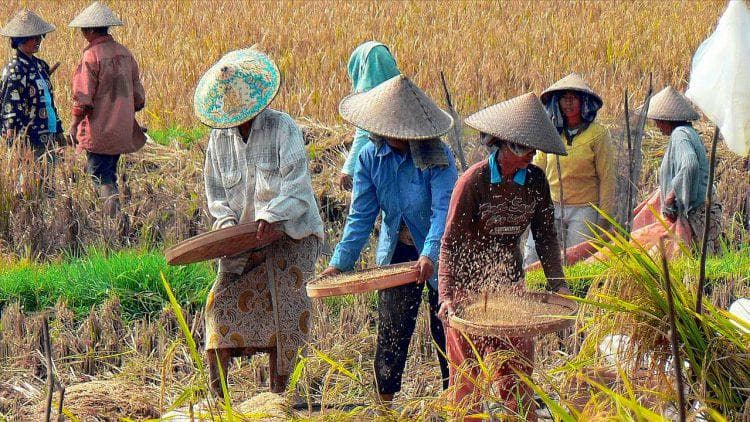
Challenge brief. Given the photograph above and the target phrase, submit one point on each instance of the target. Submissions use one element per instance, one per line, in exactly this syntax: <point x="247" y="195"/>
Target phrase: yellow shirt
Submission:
<point x="588" y="171"/>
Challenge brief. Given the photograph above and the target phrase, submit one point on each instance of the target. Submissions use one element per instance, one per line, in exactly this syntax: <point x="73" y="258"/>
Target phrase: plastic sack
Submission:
<point x="720" y="77"/>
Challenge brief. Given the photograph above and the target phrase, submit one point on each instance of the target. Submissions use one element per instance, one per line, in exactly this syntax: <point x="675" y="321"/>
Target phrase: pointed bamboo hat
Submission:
<point x="236" y="88"/>
<point x="520" y="120"/>
<point x="95" y="16"/>
<point x="670" y="105"/>
<point x="396" y="109"/>
<point x="572" y="82"/>
<point x="26" y="24"/>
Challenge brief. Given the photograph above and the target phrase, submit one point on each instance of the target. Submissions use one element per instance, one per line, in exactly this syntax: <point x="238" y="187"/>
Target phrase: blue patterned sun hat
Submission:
<point x="236" y="88"/>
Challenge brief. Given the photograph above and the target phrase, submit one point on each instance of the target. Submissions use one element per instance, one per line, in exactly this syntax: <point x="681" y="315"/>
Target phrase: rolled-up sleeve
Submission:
<point x="85" y="84"/>
<point x="295" y="183"/>
<point x="362" y="214"/>
<point x="216" y="196"/>
<point x="442" y="181"/>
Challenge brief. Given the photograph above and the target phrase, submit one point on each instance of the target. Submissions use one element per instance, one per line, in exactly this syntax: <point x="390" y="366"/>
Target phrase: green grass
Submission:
<point x="186" y="137"/>
<point x="131" y="275"/>
<point x="732" y="265"/>
<point x="134" y="276"/>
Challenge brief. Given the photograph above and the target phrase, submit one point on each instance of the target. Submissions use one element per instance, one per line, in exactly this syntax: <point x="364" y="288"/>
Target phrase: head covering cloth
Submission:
<point x="371" y="64"/>
<point x="590" y="101"/>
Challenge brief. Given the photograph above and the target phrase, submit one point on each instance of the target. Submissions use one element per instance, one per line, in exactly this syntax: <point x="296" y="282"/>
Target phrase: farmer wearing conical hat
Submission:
<point x="493" y="204"/>
<point x="683" y="174"/>
<point x="406" y="174"/>
<point x="586" y="175"/>
<point x="256" y="171"/>
<point x="370" y="64"/>
<point x="107" y="92"/>
<point x="27" y="103"/>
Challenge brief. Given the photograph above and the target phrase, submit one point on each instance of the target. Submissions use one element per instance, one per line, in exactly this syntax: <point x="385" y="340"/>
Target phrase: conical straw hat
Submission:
<point x="95" y="16"/>
<point x="670" y="105"/>
<point x="26" y="24"/>
<point x="396" y="109"/>
<point x="236" y="88"/>
<point x="521" y="120"/>
<point x="572" y="82"/>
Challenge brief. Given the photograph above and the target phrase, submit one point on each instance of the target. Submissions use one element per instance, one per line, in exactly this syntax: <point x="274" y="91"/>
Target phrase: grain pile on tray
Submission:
<point x="363" y="276"/>
<point x="511" y="310"/>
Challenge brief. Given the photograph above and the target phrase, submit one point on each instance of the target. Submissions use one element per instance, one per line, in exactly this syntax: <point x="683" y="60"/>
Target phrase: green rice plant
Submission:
<point x="629" y="298"/>
<point x="184" y="137"/>
<point x="731" y="265"/>
<point x="131" y="275"/>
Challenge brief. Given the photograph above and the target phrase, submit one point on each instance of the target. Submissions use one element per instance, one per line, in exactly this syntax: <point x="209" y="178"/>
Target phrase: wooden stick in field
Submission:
<point x="455" y="133"/>
<point x="60" y="416"/>
<point x="707" y="221"/>
<point x="562" y="215"/>
<point x="629" y="199"/>
<point x="674" y="338"/>
<point x="54" y="68"/>
<point x="636" y="154"/>
<point x="47" y="346"/>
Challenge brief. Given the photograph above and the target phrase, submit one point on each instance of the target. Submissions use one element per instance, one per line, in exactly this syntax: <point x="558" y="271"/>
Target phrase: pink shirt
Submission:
<point x="107" y="91"/>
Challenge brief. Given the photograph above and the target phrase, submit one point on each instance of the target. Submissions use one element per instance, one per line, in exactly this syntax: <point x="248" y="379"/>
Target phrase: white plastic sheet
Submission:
<point x="720" y="77"/>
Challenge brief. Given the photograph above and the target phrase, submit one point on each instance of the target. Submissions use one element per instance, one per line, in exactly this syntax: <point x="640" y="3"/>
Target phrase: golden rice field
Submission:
<point x="114" y="367"/>
<point x="488" y="50"/>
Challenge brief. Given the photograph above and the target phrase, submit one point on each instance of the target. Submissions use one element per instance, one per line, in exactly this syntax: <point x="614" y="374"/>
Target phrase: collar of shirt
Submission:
<point x="99" y="40"/>
<point x="496" y="176"/>
<point x="25" y="59"/>
<point x="235" y="131"/>
<point x="384" y="150"/>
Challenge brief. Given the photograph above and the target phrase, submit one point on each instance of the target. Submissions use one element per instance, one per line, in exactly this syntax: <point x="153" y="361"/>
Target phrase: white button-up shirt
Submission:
<point x="264" y="179"/>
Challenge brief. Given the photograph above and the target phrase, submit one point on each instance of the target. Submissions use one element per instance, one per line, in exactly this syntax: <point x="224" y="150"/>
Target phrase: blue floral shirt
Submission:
<point x="388" y="182"/>
<point x="27" y="100"/>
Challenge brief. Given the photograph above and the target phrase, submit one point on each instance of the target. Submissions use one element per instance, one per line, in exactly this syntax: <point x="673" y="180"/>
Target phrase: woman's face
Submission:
<point x="31" y="46"/>
<point x="570" y="105"/>
<point x="512" y="161"/>
<point x="664" y="127"/>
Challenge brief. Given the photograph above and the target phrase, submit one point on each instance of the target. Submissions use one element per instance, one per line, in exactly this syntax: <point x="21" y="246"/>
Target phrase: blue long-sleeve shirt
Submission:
<point x="684" y="170"/>
<point x="389" y="182"/>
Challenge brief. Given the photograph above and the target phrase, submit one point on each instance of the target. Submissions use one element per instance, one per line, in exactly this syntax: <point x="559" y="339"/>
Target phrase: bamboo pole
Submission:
<point x="707" y="221"/>
<point x="455" y="137"/>
<point x="629" y="199"/>
<point x="563" y="230"/>
<point x="674" y="338"/>
<point x="60" y="416"/>
<point x="47" y="346"/>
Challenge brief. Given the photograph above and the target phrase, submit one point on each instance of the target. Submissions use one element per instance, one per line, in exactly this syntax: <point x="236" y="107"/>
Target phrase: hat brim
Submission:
<point x="597" y="99"/>
<point x="350" y="102"/>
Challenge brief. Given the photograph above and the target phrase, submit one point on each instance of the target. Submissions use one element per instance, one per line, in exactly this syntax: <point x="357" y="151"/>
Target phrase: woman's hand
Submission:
<point x="564" y="290"/>
<point x="446" y="310"/>
<point x="669" y="207"/>
<point x="330" y="272"/>
<point x="345" y="181"/>
<point x="264" y="229"/>
<point x="426" y="269"/>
